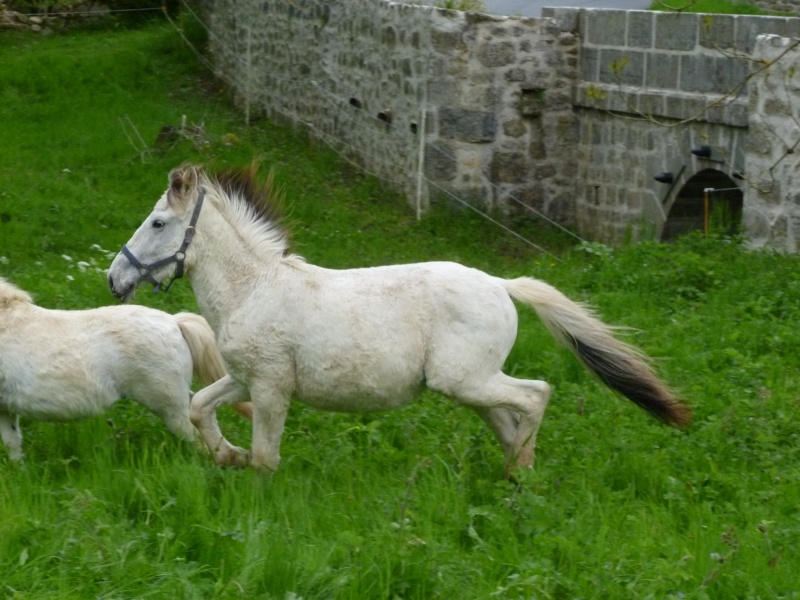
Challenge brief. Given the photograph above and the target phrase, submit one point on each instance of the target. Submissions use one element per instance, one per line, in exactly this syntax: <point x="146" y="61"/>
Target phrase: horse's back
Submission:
<point x="63" y="364"/>
<point x="367" y="339"/>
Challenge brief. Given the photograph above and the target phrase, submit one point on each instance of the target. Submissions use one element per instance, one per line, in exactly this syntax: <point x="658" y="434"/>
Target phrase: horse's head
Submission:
<point x="157" y="251"/>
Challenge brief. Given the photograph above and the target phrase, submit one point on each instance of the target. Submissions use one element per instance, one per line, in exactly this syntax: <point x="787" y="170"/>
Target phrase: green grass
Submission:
<point x="722" y="7"/>
<point x="408" y="504"/>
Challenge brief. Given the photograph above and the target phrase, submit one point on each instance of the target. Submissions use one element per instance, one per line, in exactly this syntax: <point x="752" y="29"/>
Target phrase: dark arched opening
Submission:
<point x="695" y="210"/>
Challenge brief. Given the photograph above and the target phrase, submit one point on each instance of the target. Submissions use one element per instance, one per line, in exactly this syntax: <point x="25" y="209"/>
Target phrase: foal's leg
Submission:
<point x="204" y="417"/>
<point x="11" y="434"/>
<point x="171" y="405"/>
<point x="270" y="408"/>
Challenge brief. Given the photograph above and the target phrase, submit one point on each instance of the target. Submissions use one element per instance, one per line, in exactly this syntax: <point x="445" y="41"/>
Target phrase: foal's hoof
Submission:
<point x="232" y="456"/>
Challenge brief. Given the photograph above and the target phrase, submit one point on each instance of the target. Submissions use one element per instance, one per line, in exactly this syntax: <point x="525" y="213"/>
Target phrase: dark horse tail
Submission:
<point x="620" y="366"/>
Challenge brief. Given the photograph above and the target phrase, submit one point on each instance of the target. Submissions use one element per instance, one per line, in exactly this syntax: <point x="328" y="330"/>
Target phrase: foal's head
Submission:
<point x="161" y="248"/>
<point x="157" y="252"/>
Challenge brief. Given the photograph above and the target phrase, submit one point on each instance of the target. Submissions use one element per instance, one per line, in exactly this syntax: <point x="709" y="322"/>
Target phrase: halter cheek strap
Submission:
<point x="146" y="271"/>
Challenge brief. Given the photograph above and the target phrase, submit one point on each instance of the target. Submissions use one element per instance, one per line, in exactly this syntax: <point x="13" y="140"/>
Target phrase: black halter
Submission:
<point x="146" y="271"/>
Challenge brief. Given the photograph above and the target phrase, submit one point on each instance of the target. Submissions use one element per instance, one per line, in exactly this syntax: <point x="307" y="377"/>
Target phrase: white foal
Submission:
<point x="71" y="364"/>
<point x="355" y="339"/>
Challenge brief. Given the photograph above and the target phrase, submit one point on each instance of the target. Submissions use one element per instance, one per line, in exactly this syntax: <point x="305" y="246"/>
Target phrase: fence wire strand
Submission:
<point x="360" y="120"/>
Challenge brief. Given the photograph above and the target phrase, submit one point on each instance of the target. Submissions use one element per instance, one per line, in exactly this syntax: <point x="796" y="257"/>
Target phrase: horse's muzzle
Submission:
<point x="123" y="294"/>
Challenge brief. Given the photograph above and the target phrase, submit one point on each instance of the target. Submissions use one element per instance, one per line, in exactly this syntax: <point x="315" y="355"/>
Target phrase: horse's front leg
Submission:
<point x="11" y="434"/>
<point x="270" y="408"/>
<point x="204" y="417"/>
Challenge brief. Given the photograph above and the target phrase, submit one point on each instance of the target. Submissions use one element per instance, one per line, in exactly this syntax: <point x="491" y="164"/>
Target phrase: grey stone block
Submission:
<point x="676" y="31"/>
<point x="440" y="162"/>
<point x="640" y="29"/>
<point x="621" y="67"/>
<point x="590" y="63"/>
<point x="496" y="54"/>
<point x="717" y="31"/>
<point x="446" y="41"/>
<point x="651" y="104"/>
<point x="467" y="125"/>
<point x="605" y="27"/>
<point x="509" y="167"/>
<point x="711" y="74"/>
<point x="662" y="71"/>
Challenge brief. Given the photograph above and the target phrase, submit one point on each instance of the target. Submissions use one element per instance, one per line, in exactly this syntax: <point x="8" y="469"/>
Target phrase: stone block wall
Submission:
<point x="502" y="129"/>
<point x="653" y="86"/>
<point x="441" y="104"/>
<point x="572" y="114"/>
<point x="772" y="209"/>
<point x="354" y="73"/>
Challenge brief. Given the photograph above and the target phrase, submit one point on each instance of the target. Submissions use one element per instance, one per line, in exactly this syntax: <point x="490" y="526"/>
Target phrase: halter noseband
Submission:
<point x="146" y="271"/>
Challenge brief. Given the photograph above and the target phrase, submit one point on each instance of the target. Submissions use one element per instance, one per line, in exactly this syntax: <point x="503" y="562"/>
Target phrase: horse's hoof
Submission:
<point x="232" y="456"/>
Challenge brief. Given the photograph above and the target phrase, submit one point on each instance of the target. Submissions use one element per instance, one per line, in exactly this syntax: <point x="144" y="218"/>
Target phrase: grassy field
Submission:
<point x="409" y="504"/>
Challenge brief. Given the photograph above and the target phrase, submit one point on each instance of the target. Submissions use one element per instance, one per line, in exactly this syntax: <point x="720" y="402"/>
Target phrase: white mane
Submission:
<point x="257" y="220"/>
<point x="9" y="293"/>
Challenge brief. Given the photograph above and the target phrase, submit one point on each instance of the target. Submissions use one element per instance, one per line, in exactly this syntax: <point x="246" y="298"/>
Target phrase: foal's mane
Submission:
<point x="255" y="204"/>
<point x="9" y="293"/>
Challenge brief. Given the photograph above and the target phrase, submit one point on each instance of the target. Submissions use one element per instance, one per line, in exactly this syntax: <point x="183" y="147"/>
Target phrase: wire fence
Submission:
<point x="355" y="122"/>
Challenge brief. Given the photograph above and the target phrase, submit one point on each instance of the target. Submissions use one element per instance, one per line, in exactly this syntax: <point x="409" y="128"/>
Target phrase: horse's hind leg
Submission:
<point x="11" y="434"/>
<point x="504" y="424"/>
<point x="526" y="398"/>
<point x="169" y="400"/>
<point x="174" y="411"/>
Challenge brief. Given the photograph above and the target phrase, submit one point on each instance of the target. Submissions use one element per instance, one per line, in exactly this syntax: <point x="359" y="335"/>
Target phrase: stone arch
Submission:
<point x="689" y="212"/>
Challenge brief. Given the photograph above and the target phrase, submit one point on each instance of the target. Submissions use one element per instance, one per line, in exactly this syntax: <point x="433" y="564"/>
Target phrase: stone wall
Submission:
<point x="572" y="114"/>
<point x="653" y="86"/>
<point x="486" y="100"/>
<point x="351" y="71"/>
<point x="772" y="210"/>
<point x="502" y="131"/>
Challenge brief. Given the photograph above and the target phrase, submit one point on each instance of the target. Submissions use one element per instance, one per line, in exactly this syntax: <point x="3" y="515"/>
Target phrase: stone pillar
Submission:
<point x="772" y="205"/>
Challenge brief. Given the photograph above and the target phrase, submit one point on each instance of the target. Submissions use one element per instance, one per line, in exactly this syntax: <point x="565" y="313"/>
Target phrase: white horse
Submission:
<point x="358" y="339"/>
<point x="70" y="364"/>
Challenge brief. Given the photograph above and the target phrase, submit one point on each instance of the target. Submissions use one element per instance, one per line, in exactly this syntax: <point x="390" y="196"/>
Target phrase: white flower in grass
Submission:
<point x="3" y="260"/>
<point x="70" y="278"/>
<point x="83" y="265"/>
<point x="66" y="257"/>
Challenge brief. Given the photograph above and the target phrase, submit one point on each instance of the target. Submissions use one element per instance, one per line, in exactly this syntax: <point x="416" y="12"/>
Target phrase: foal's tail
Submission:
<point x="620" y="366"/>
<point x="208" y="363"/>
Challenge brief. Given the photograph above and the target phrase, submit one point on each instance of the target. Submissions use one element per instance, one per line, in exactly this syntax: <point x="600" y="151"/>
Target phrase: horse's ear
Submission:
<point x="181" y="181"/>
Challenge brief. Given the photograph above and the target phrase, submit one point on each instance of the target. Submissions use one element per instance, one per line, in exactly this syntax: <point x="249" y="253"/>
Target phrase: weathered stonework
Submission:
<point x="772" y="211"/>
<point x="572" y="114"/>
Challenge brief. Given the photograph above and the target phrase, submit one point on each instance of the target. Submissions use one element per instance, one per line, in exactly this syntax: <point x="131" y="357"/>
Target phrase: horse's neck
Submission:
<point x="224" y="269"/>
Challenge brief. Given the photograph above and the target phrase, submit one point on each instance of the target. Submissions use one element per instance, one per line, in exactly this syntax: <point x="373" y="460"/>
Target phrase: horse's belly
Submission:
<point x="51" y="393"/>
<point x="356" y="401"/>
<point x="348" y="389"/>
<point x="56" y="406"/>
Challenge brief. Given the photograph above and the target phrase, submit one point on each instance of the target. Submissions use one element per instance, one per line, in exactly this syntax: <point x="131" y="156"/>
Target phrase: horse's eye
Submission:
<point x="158" y="224"/>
